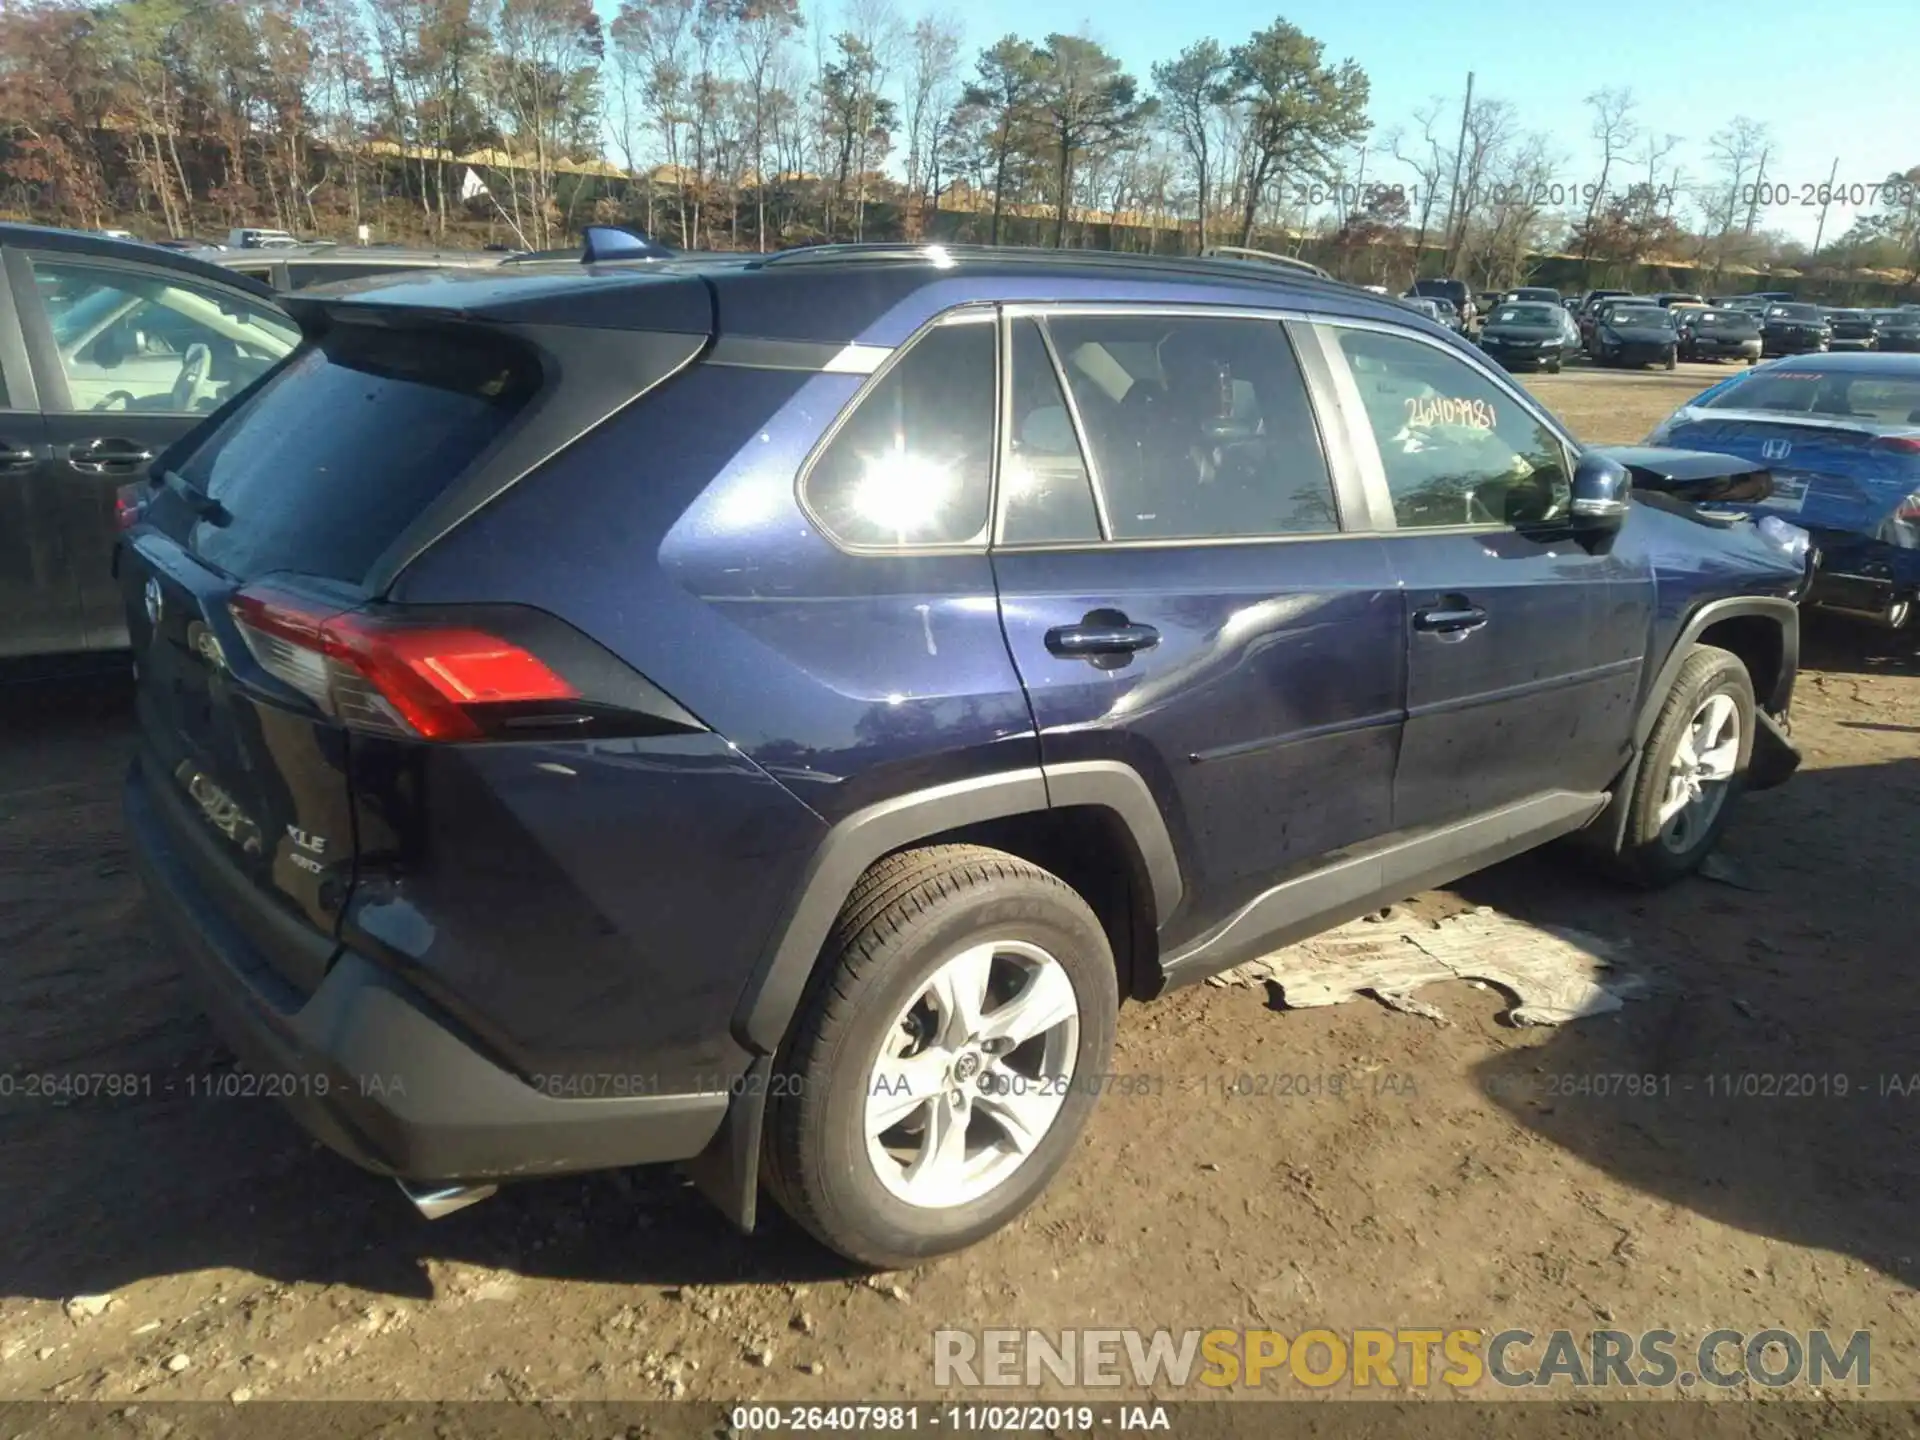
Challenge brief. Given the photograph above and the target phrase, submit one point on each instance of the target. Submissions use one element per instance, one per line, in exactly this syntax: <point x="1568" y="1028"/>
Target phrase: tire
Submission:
<point x="1672" y="360"/>
<point x="1656" y="852"/>
<point x="870" y="1019"/>
<point x="1553" y="367"/>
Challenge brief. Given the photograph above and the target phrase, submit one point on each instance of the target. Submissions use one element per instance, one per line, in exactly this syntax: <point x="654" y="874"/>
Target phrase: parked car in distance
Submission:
<point x="1449" y="317"/>
<point x="1794" y="330"/>
<point x="1634" y="332"/>
<point x="1716" y="333"/>
<point x="109" y="351"/>
<point x="1897" y="329"/>
<point x="1435" y="310"/>
<point x="296" y="267"/>
<point x="1594" y="297"/>
<point x="1591" y="304"/>
<point x="1851" y="330"/>
<point x="1840" y="437"/>
<point x="1542" y="294"/>
<point x="463" y="710"/>
<point x="1529" y="335"/>
<point x="1667" y="299"/>
<point x="1454" y="292"/>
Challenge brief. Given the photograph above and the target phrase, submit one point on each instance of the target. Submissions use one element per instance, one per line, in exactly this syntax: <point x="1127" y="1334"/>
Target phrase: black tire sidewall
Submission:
<point x="1707" y="671"/>
<point x="852" y="1209"/>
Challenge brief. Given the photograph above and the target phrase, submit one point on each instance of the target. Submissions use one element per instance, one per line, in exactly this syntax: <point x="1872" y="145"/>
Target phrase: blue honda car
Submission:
<point x="766" y="713"/>
<point x="1839" y="435"/>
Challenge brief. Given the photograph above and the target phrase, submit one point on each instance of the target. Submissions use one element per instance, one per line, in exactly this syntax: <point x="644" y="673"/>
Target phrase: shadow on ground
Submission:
<point x="1774" y="1083"/>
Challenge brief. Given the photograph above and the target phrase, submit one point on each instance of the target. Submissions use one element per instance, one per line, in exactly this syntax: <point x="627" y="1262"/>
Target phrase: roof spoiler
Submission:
<point x="621" y="242"/>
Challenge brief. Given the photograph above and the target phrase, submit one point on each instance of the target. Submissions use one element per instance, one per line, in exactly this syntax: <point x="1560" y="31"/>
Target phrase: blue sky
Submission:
<point x="1848" y="70"/>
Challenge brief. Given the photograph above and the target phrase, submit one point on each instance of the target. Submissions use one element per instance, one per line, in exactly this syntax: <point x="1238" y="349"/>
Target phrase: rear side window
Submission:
<point x="327" y="463"/>
<point x="913" y="463"/>
<point x="1200" y="428"/>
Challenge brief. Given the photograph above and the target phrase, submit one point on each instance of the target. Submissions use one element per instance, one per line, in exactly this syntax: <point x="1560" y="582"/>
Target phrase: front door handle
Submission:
<point x="15" y="457"/>
<point x="1453" y="620"/>
<point x="108" y="456"/>
<point x="1090" y="640"/>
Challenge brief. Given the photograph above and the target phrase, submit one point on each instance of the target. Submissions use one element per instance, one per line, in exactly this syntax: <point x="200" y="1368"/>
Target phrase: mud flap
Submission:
<point x="1775" y="757"/>
<point x="727" y="1172"/>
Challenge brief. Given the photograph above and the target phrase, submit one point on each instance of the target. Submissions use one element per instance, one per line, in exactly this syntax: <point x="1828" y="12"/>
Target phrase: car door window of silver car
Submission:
<point x="149" y="343"/>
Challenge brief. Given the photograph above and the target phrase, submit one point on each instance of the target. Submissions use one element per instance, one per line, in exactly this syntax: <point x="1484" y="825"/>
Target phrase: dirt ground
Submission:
<point x="1450" y="1182"/>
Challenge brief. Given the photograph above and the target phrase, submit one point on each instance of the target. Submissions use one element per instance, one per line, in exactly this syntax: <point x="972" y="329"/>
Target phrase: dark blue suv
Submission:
<point x="766" y="713"/>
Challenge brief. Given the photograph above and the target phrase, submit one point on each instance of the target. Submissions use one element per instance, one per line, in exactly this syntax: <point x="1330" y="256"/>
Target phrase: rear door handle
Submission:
<point x="108" y="456"/>
<point x="1450" y="621"/>
<point x="15" y="457"/>
<point x="1084" y="641"/>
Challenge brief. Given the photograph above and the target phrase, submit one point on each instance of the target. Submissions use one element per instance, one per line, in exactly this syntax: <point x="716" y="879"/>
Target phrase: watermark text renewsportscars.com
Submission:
<point x="1453" y="1359"/>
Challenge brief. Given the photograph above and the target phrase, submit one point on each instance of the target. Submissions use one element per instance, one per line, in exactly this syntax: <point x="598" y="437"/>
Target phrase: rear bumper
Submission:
<point x="1637" y="354"/>
<point x="369" y="1068"/>
<point x="1521" y="359"/>
<point x="1861" y="576"/>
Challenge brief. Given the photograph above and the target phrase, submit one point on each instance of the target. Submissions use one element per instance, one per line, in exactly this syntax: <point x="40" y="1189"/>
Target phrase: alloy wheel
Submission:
<point x="1702" y="767"/>
<point x="972" y="1074"/>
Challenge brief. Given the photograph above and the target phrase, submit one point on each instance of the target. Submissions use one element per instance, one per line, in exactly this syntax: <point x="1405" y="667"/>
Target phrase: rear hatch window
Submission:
<point x="325" y="465"/>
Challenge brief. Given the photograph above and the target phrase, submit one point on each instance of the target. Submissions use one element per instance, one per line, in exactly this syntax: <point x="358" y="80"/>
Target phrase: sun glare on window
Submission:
<point x="903" y="493"/>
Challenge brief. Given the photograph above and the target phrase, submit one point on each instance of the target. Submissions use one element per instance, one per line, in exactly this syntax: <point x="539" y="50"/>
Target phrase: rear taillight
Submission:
<point x="424" y="681"/>
<point x="1900" y="444"/>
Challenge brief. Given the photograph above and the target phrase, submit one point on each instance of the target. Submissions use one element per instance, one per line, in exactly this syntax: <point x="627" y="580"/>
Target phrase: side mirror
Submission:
<point x="1601" y="487"/>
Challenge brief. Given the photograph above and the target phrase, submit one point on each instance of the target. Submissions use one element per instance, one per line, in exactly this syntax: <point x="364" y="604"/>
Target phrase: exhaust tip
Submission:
<point x="434" y="1201"/>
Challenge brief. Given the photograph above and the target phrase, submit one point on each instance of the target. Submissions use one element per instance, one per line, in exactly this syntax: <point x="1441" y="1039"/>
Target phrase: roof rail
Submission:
<point x="1247" y="252"/>
<point x="1216" y="264"/>
<point x="840" y="251"/>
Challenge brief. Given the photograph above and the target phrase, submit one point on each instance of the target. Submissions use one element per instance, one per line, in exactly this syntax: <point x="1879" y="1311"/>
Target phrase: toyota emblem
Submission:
<point x="156" y="602"/>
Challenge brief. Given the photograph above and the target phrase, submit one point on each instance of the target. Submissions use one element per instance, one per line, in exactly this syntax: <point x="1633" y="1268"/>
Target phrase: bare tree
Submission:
<point x="1427" y="156"/>
<point x="1488" y="132"/>
<point x="1739" y="156"/>
<point x="1615" y="129"/>
<point x="761" y="29"/>
<point x="655" y="37"/>
<point x="932" y="77"/>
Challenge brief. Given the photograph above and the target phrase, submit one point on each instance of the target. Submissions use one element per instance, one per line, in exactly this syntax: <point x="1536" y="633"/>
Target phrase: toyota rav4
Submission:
<point x="767" y="713"/>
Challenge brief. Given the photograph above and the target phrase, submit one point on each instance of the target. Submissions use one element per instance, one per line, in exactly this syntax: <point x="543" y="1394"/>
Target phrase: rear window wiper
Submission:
<point x="197" y="500"/>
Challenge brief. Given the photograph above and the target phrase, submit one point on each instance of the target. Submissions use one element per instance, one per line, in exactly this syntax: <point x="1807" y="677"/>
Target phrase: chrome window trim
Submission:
<point x="1357" y="475"/>
<point x="1100" y="515"/>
